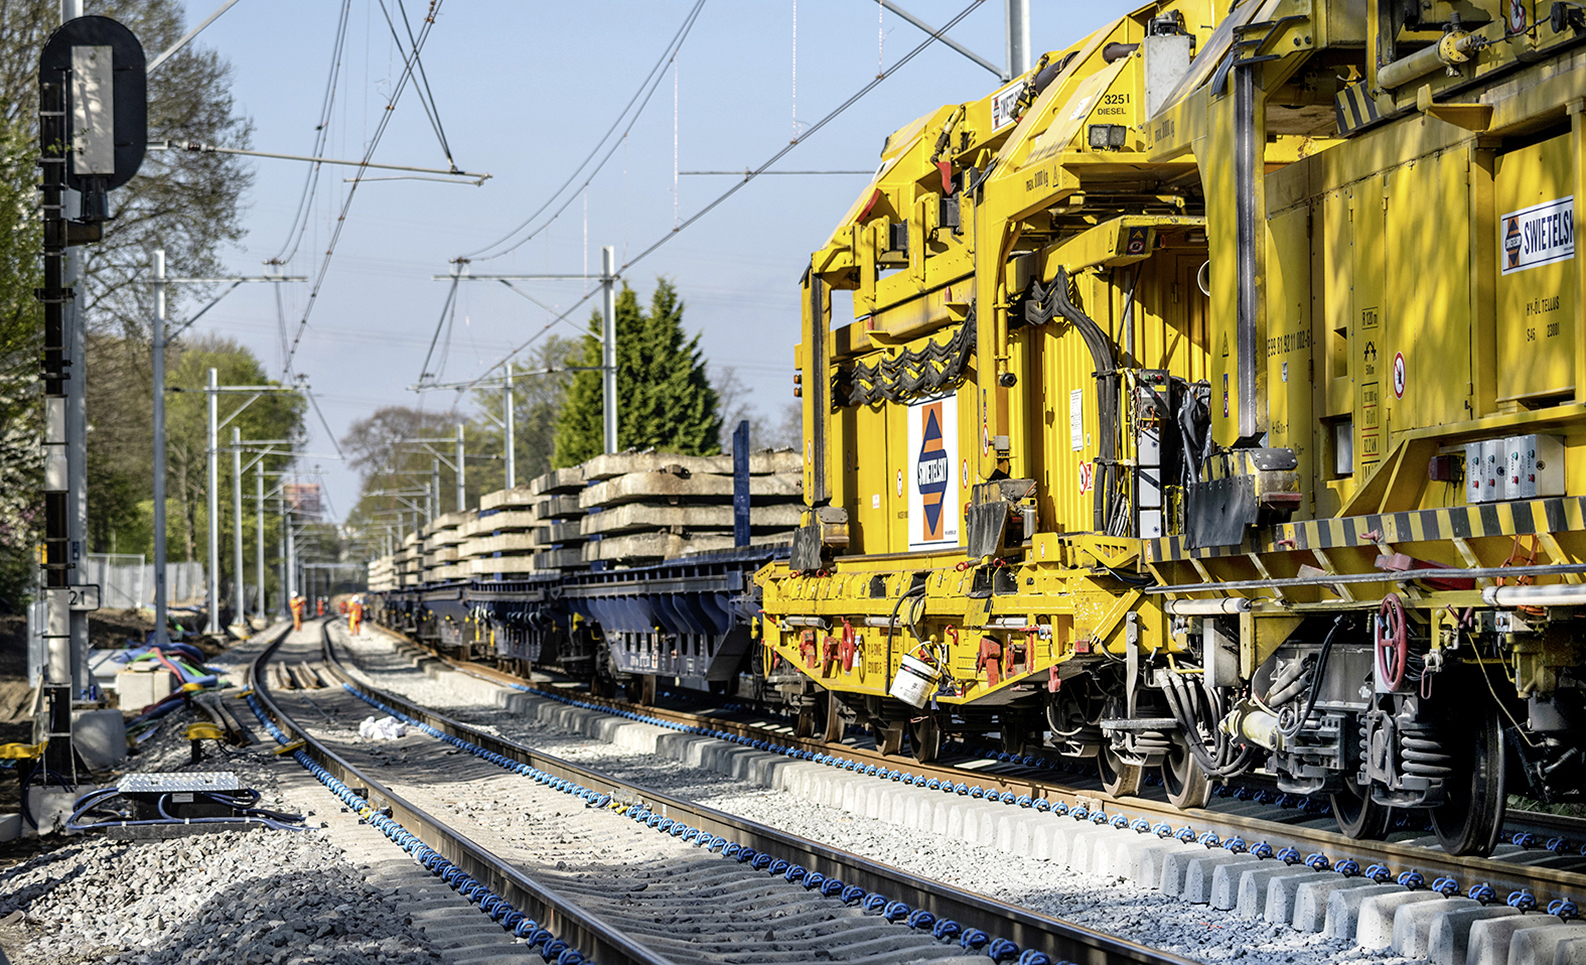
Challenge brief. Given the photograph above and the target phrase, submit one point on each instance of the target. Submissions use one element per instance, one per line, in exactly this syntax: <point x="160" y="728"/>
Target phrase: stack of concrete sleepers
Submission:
<point x="381" y="574"/>
<point x="560" y="536"/>
<point x="499" y="542"/>
<point x="407" y="561"/>
<point x="441" y="547"/>
<point x="644" y="507"/>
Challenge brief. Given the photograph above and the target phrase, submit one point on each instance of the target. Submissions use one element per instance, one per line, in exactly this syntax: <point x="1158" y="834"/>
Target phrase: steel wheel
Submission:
<point x="1183" y="778"/>
<point x="1471" y="816"/>
<point x="1357" y="814"/>
<point x="925" y="739"/>
<point x="1118" y="778"/>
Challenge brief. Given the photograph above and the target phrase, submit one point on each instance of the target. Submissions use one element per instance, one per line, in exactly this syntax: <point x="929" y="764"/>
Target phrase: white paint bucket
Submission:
<point x="914" y="682"/>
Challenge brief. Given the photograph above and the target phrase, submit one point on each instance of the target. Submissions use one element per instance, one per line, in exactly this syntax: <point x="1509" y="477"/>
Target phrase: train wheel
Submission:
<point x="1118" y="778"/>
<point x="640" y="689"/>
<point x="1357" y="814"/>
<point x="836" y="726"/>
<point x="1470" y="818"/>
<point x="1184" y="780"/>
<point x="925" y="739"/>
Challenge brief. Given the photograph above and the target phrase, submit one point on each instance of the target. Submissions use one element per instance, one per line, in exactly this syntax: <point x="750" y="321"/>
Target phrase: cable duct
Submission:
<point x="911" y="373"/>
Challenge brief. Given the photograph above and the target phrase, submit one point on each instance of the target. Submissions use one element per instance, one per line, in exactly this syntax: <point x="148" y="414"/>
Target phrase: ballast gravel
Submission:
<point x="242" y="897"/>
<point x="245" y="897"/>
<point x="1104" y="903"/>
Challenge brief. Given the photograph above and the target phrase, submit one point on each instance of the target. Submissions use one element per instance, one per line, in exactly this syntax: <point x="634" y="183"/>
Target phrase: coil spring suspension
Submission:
<point x="1152" y="742"/>
<point x="1422" y="752"/>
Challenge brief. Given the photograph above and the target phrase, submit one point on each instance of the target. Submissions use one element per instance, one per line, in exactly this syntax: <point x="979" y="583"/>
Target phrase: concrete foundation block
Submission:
<point x="1063" y="839"/>
<point x="1374" y="928"/>
<point x="1571" y="952"/>
<point x="1539" y="946"/>
<point x="1176" y="865"/>
<point x="1310" y="899"/>
<point x="1043" y="840"/>
<point x="1151" y="870"/>
<point x="1343" y="908"/>
<point x="1084" y="854"/>
<point x="1268" y="893"/>
<point x="1200" y="876"/>
<point x="1125" y="854"/>
<point x="1412" y="924"/>
<point x="100" y="736"/>
<point x="1449" y="939"/>
<point x="1014" y="830"/>
<point x="1225" y="879"/>
<point x="1492" y="938"/>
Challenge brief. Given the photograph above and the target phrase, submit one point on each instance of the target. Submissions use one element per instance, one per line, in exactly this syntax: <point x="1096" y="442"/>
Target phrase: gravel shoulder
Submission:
<point x="333" y="893"/>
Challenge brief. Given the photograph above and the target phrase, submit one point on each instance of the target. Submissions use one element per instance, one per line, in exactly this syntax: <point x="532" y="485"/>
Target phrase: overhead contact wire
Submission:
<point x="409" y="62"/>
<point x="646" y="90"/>
<point x="749" y="176"/>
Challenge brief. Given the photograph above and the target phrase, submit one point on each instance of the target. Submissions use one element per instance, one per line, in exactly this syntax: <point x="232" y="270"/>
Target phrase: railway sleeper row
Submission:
<point x="860" y="925"/>
<point x="1378" y="908"/>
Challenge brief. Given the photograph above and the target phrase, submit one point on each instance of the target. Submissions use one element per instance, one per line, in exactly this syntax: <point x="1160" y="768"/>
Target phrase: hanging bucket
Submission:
<point x="915" y="681"/>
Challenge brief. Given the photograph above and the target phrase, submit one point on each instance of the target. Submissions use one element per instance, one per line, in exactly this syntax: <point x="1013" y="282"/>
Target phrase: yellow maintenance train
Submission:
<point x="1213" y="398"/>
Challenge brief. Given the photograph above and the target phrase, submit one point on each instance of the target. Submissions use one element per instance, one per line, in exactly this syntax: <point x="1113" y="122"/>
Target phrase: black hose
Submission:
<point x="913" y="591"/>
<point x="1290" y="728"/>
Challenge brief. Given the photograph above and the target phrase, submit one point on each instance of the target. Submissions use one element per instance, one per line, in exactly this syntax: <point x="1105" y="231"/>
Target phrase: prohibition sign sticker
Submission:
<point x="1398" y="375"/>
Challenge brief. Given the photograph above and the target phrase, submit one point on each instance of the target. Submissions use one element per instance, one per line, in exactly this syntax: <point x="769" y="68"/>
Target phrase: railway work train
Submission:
<point x="1212" y="400"/>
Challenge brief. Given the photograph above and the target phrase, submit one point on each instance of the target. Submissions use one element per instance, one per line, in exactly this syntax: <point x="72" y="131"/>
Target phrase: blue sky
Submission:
<point x="524" y="91"/>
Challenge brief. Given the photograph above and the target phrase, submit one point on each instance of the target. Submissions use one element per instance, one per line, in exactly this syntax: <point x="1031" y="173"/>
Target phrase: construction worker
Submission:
<point x="355" y="615"/>
<point x="298" y="606"/>
<point x="320" y="607"/>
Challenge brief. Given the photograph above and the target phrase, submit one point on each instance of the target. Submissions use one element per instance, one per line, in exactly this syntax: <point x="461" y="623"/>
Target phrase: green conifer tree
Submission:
<point x="664" y="398"/>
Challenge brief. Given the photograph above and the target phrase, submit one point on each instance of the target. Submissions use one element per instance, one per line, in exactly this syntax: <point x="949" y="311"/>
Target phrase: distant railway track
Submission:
<point x="845" y="899"/>
<point x="1532" y="869"/>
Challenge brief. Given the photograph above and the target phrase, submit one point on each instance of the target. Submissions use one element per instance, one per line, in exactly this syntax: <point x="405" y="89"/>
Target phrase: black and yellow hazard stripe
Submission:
<point x="1557" y="515"/>
<point x="1355" y="109"/>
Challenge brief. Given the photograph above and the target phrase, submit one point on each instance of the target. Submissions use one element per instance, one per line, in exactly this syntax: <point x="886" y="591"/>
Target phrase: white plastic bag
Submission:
<point x="383" y="728"/>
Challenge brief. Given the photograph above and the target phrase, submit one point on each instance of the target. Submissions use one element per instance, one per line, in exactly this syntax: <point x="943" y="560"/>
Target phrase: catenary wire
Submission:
<point x="646" y="89"/>
<point x="831" y="116"/>
<point x="305" y="200"/>
<point x="933" y="38"/>
<point x="409" y="61"/>
<point x="425" y="95"/>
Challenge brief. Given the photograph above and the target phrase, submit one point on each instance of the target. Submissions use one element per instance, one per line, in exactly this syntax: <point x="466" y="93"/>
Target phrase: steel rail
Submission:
<point x="596" y="938"/>
<point x="1504" y="876"/>
<point x="1060" y="939"/>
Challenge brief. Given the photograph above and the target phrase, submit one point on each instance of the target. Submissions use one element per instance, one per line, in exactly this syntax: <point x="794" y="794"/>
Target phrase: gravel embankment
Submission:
<point x="1108" y="904"/>
<point x="242" y="897"/>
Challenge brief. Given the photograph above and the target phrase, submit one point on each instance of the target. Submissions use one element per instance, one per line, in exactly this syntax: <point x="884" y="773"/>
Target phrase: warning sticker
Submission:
<point x="1539" y="235"/>
<point x="933" y="486"/>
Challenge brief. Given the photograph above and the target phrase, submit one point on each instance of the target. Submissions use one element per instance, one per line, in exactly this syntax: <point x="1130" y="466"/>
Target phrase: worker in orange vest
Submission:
<point x="298" y="605"/>
<point x="355" y="615"/>
<point x="320" y="605"/>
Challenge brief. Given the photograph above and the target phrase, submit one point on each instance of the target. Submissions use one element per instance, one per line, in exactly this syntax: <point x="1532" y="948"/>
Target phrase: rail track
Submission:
<point x="664" y="892"/>
<point x="1526" y="871"/>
